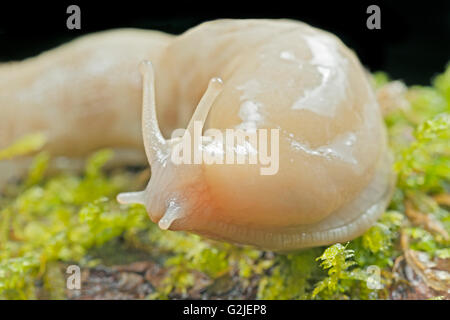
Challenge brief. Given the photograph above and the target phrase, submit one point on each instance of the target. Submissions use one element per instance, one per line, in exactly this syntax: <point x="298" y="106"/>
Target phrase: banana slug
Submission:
<point x="334" y="174"/>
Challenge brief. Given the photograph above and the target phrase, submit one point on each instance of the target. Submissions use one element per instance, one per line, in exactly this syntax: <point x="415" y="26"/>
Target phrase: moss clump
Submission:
<point x="25" y="145"/>
<point x="59" y="219"/>
<point x="47" y="220"/>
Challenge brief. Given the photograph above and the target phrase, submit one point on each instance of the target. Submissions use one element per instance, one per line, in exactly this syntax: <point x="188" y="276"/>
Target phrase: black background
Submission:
<point x="173" y="309"/>
<point x="413" y="43"/>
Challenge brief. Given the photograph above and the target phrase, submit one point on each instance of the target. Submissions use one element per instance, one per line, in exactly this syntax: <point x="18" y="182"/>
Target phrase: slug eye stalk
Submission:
<point x="154" y="143"/>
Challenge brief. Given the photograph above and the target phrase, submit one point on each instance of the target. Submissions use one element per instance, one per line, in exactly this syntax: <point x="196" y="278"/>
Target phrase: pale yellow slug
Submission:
<point x="334" y="176"/>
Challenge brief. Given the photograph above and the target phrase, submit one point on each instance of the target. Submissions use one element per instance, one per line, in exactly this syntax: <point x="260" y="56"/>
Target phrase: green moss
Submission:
<point x="49" y="220"/>
<point x="292" y="276"/>
<point x="380" y="78"/>
<point x="24" y="145"/>
<point x="442" y="84"/>
<point x="377" y="245"/>
<point x="425" y="163"/>
<point x="60" y="219"/>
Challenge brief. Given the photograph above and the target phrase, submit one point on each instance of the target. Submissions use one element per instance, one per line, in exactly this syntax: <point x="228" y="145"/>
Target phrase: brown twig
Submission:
<point x="427" y="221"/>
<point x="422" y="266"/>
<point x="443" y="199"/>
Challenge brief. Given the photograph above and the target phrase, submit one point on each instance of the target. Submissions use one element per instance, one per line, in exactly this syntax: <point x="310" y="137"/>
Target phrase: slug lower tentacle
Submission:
<point x="322" y="175"/>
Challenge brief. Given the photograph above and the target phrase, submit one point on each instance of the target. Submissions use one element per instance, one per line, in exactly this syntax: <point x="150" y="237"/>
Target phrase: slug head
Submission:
<point x="176" y="195"/>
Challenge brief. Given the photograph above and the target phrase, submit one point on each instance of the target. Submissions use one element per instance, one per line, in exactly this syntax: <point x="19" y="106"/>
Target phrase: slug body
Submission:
<point x="333" y="177"/>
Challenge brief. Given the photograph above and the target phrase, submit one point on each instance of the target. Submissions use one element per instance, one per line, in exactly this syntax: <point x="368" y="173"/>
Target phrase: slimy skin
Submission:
<point x="84" y="95"/>
<point x="334" y="177"/>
